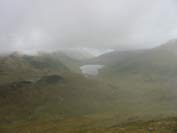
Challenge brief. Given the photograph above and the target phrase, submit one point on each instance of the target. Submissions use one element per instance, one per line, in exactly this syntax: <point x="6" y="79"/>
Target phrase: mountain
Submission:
<point x="155" y="63"/>
<point x="64" y="57"/>
<point x="70" y="62"/>
<point x="78" y="54"/>
<point x="16" y="67"/>
<point x="134" y="92"/>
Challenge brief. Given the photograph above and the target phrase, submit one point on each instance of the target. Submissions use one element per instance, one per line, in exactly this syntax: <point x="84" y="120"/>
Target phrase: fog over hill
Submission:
<point x="79" y="66"/>
<point x="115" y="24"/>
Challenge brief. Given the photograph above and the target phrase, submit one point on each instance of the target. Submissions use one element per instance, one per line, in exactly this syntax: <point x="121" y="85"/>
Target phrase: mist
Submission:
<point x="86" y="24"/>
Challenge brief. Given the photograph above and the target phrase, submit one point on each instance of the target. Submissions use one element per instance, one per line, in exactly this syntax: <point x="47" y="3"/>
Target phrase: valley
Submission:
<point x="134" y="92"/>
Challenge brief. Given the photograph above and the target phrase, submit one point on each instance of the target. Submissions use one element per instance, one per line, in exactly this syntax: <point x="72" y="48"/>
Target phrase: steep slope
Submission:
<point x="41" y="93"/>
<point x="45" y="62"/>
<point x="77" y="54"/>
<point x="18" y="67"/>
<point x="111" y="57"/>
<point x="72" y="63"/>
<point x="159" y="62"/>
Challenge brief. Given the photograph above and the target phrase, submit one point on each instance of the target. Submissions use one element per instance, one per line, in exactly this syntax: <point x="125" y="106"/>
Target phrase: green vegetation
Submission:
<point x="134" y="93"/>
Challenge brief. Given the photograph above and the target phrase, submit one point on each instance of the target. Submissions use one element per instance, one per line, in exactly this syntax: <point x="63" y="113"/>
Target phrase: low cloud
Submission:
<point x="114" y="24"/>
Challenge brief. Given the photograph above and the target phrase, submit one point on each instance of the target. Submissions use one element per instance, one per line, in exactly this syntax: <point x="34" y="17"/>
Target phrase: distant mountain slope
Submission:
<point x="70" y="62"/>
<point x="59" y="57"/>
<point x="158" y="62"/>
<point x="19" y="67"/>
<point x="78" y="54"/>
<point x="43" y="62"/>
<point x="41" y="93"/>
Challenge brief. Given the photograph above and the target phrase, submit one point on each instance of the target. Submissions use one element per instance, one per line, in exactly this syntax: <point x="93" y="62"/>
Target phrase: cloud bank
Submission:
<point x="106" y="24"/>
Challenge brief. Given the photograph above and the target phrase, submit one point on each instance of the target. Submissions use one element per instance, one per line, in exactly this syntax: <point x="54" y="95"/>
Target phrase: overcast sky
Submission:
<point x="106" y="24"/>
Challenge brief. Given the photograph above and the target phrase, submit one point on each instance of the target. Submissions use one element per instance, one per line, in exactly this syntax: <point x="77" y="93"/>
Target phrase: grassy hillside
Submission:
<point x="157" y="63"/>
<point x="19" y="67"/>
<point x="77" y="54"/>
<point x="71" y="103"/>
<point x="135" y="92"/>
<point x="72" y="63"/>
